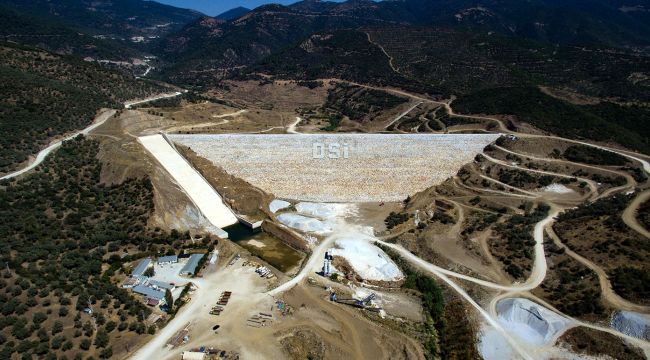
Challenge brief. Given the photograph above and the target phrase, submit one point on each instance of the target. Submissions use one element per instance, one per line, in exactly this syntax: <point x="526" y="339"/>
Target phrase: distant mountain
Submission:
<point x="445" y="62"/>
<point x="233" y="14"/>
<point x="117" y="19"/>
<point x="618" y="23"/>
<point x="210" y="45"/>
<point x="58" y="38"/>
<point x="214" y="47"/>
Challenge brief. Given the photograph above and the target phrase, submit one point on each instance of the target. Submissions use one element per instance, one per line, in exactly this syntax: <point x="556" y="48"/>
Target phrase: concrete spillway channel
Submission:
<point x="197" y="188"/>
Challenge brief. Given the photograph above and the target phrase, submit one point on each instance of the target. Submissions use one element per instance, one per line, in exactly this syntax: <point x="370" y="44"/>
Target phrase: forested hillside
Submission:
<point x="46" y="95"/>
<point x="58" y="38"/>
<point x="464" y="61"/>
<point x="345" y="54"/>
<point x="626" y="125"/>
<point x="114" y="18"/>
<point x="63" y="233"/>
<point x="210" y="48"/>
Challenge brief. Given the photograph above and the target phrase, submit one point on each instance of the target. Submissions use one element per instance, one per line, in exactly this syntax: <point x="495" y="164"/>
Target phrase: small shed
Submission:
<point x="192" y="355"/>
<point x="149" y="292"/>
<point x="191" y="265"/>
<point x="141" y="267"/>
<point x="164" y="260"/>
<point x="160" y="285"/>
<point x="130" y="282"/>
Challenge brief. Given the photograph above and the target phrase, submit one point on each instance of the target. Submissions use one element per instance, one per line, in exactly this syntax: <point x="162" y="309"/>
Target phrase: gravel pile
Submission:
<point x="530" y="321"/>
<point x="633" y="324"/>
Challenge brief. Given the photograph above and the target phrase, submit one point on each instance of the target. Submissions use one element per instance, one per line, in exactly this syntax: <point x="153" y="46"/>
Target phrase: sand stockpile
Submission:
<point x="339" y="167"/>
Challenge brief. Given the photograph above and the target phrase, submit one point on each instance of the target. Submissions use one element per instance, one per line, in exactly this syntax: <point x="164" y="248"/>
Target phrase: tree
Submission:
<point x="57" y="327"/>
<point x="39" y="317"/>
<point x="150" y="272"/>
<point x="67" y="345"/>
<point x="57" y="341"/>
<point x="100" y="319"/>
<point x="106" y="353"/>
<point x="88" y="329"/>
<point x="85" y="344"/>
<point x="169" y="300"/>
<point x="101" y="339"/>
<point x="110" y="326"/>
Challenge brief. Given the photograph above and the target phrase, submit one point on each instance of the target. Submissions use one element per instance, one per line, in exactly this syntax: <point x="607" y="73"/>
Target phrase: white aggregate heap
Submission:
<point x="304" y="223"/>
<point x="529" y="321"/>
<point x="352" y="242"/>
<point x="277" y="205"/>
<point x="339" y="167"/>
<point x="196" y="187"/>
<point x="633" y="324"/>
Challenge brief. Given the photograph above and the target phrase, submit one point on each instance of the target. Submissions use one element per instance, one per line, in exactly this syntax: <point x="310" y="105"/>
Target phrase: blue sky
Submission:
<point x="215" y="7"/>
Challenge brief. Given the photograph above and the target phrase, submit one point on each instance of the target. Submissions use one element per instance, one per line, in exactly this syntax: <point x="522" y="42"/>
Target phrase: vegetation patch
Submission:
<point x="393" y="219"/>
<point x="359" y="103"/>
<point x="570" y="286"/>
<point x="514" y="243"/>
<point x="591" y="155"/>
<point x="334" y="122"/>
<point x="627" y="126"/>
<point x="631" y="282"/>
<point x="643" y="214"/>
<point x="597" y="232"/>
<point x="449" y="332"/>
<point x="63" y="239"/>
<point x="599" y="343"/>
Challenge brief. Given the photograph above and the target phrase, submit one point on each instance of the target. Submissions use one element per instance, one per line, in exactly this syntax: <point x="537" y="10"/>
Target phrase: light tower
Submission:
<point x="327" y="263"/>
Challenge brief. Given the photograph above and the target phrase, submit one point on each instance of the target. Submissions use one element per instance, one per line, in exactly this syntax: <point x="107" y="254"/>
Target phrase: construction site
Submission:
<point x="341" y="245"/>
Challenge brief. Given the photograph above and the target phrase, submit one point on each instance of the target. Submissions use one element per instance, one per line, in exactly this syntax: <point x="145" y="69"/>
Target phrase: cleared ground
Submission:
<point x="341" y="167"/>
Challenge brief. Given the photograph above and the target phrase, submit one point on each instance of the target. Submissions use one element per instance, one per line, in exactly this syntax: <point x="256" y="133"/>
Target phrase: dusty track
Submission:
<point x="99" y="120"/>
<point x="629" y="215"/>
<point x="292" y="128"/>
<point x="606" y="287"/>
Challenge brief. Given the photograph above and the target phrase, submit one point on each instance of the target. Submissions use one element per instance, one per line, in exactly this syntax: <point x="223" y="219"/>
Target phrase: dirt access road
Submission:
<point x="629" y="215"/>
<point x="99" y="120"/>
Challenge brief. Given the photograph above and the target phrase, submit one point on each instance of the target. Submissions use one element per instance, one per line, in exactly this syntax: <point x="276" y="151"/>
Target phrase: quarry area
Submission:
<point x="465" y="243"/>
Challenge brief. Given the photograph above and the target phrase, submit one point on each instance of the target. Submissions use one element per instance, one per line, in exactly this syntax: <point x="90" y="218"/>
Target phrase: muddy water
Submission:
<point x="266" y="247"/>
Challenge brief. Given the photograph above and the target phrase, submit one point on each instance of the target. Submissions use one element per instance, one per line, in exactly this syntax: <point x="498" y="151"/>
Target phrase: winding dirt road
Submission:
<point x="606" y="287"/>
<point x="629" y="215"/>
<point x="99" y="120"/>
<point x="292" y="128"/>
